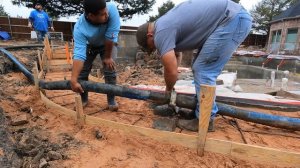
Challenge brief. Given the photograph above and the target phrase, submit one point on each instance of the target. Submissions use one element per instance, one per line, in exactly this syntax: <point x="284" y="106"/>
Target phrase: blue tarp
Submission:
<point x="4" y="35"/>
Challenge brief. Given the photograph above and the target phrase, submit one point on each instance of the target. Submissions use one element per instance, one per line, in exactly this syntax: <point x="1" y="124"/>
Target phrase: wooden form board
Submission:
<point x="241" y="151"/>
<point x="58" y="62"/>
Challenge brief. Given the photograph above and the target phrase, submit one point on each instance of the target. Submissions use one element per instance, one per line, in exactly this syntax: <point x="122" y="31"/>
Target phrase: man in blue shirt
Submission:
<point x="216" y="28"/>
<point x="40" y="22"/>
<point x="96" y="32"/>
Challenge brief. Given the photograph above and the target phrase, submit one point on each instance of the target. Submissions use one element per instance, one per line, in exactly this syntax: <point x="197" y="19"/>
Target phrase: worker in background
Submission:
<point x="216" y="28"/>
<point x="40" y="22"/>
<point x="96" y="32"/>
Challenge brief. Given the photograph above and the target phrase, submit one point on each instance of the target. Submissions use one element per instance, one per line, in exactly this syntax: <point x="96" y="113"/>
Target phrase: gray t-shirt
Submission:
<point x="188" y="25"/>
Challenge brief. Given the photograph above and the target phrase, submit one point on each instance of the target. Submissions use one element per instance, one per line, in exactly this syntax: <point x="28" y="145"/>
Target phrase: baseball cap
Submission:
<point x="141" y="36"/>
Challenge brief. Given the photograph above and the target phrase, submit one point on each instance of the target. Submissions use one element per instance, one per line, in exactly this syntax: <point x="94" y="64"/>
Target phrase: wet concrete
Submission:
<point x="290" y="65"/>
<point x="255" y="72"/>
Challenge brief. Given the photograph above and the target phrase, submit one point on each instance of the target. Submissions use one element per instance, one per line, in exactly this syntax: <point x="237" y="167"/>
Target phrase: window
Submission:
<point x="291" y="39"/>
<point x="275" y="43"/>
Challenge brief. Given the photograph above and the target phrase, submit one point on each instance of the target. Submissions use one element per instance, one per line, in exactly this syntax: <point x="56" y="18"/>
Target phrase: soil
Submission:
<point x="63" y="144"/>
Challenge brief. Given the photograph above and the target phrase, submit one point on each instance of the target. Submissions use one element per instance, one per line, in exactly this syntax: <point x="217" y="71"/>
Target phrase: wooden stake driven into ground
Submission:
<point x="48" y="48"/>
<point x="36" y="75"/>
<point x="207" y="94"/>
<point x="98" y="73"/>
<point x="68" y="56"/>
<point x="79" y="111"/>
<point x="259" y="154"/>
<point x="40" y="59"/>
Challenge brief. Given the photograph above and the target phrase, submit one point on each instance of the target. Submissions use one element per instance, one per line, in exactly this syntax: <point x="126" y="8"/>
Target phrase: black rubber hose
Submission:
<point x="24" y="46"/>
<point x="260" y="118"/>
<point x="20" y="66"/>
<point x="181" y="101"/>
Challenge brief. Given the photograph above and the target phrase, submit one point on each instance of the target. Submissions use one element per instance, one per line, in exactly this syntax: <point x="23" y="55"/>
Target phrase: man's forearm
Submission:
<point x="170" y="69"/>
<point x="76" y="69"/>
<point x="170" y="79"/>
<point x="108" y="48"/>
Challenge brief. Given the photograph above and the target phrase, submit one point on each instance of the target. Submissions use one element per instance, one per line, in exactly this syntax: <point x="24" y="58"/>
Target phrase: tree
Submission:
<point x="2" y="11"/>
<point x="61" y="8"/>
<point x="265" y="11"/>
<point x="162" y="10"/>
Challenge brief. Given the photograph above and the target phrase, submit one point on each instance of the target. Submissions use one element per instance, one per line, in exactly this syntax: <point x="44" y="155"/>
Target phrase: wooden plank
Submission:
<point x="36" y="75"/>
<point x="48" y="48"/>
<point x="41" y="74"/>
<point x="98" y="74"/>
<point x="59" y="56"/>
<point x="95" y="79"/>
<point x="67" y="53"/>
<point x="58" y="108"/>
<point x="79" y="111"/>
<point x="40" y="60"/>
<point x="265" y="155"/>
<point x="242" y="151"/>
<point x="60" y="67"/>
<point x="206" y="99"/>
<point x="58" y="62"/>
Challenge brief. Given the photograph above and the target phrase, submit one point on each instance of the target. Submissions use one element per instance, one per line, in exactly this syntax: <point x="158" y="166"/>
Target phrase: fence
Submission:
<point x="18" y="29"/>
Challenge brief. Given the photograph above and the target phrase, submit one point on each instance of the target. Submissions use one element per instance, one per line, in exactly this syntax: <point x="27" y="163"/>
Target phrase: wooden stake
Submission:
<point x="36" y="75"/>
<point x="98" y="73"/>
<point x="48" y="48"/>
<point x="40" y="60"/>
<point x="67" y="53"/>
<point x="47" y="65"/>
<point x="207" y="95"/>
<point x="265" y="155"/>
<point x="79" y="111"/>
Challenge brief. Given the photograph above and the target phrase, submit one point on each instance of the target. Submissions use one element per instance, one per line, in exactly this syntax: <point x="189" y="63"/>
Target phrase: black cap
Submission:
<point x="141" y="36"/>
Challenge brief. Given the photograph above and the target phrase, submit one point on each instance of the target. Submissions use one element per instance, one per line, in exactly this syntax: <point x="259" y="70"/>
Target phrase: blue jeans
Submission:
<point x="41" y="35"/>
<point x="217" y="51"/>
<point x="109" y="75"/>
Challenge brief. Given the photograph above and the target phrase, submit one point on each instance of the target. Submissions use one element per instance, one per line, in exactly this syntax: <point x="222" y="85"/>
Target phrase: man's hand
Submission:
<point x="76" y="69"/>
<point x="109" y="63"/>
<point x="52" y="28"/>
<point x="76" y="87"/>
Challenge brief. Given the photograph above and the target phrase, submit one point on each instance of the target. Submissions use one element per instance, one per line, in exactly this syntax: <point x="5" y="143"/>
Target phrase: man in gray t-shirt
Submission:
<point x="216" y="28"/>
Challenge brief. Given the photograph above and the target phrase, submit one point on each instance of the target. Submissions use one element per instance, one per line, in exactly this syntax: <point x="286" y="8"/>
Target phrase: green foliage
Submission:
<point x="61" y="8"/>
<point x="162" y="10"/>
<point x="265" y="11"/>
<point x="2" y="11"/>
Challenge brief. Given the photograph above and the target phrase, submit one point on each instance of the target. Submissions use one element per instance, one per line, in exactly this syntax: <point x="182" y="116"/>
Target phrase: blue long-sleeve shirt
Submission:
<point x="40" y="20"/>
<point x="86" y="33"/>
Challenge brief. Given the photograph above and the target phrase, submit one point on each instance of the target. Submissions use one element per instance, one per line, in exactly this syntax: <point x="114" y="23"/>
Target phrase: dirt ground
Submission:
<point x="80" y="148"/>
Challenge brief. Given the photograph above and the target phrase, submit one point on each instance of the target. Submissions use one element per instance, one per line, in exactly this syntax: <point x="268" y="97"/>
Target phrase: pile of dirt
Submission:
<point x="47" y="134"/>
<point x="25" y="146"/>
<point x="5" y="65"/>
<point x="25" y="142"/>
